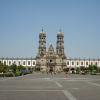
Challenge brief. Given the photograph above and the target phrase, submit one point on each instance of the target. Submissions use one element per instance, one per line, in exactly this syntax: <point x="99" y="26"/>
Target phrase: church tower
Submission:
<point x="42" y="43"/>
<point x="60" y="43"/>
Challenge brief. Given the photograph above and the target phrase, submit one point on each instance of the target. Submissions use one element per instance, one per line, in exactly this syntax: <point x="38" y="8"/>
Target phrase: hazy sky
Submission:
<point x="21" y="21"/>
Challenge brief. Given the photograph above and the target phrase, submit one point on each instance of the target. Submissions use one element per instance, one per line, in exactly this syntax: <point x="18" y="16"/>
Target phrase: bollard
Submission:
<point x="15" y="75"/>
<point x="42" y="72"/>
<point x="59" y="72"/>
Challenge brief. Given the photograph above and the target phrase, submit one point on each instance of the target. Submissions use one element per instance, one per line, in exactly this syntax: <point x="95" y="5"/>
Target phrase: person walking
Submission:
<point x="51" y="72"/>
<point x="66" y="74"/>
<point x="55" y="72"/>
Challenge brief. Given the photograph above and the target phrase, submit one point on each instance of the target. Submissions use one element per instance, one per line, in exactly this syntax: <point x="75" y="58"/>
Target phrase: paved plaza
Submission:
<point x="40" y="86"/>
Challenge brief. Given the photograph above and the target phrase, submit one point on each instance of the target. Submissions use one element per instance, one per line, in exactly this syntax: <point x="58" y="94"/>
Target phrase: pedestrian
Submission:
<point x="66" y="74"/>
<point x="51" y="72"/>
<point x="69" y="72"/>
<point x="55" y="72"/>
<point x="47" y="72"/>
<point x="33" y="72"/>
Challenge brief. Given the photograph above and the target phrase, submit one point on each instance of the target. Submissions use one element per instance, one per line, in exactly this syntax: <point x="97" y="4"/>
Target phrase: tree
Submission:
<point x="81" y="68"/>
<point x="91" y="68"/>
<point x="77" y="68"/>
<point x="38" y="68"/>
<point x="1" y="65"/>
<point x="13" y="67"/>
<point x="95" y="67"/>
<point x="66" y="69"/>
<point x="5" y="67"/>
<point x="20" y="67"/>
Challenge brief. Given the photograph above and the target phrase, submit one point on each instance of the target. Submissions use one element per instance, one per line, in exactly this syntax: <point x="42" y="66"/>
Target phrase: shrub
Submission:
<point x="27" y="72"/>
<point x="9" y="73"/>
<point x="77" y="68"/>
<point x="2" y="70"/>
<point x="66" y="69"/>
<point x="38" y="68"/>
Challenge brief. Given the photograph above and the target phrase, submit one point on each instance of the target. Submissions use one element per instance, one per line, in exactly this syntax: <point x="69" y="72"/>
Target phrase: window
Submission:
<point x="28" y="62"/>
<point x="42" y="51"/>
<point x="4" y="62"/>
<point x="42" y="39"/>
<point x="42" y="45"/>
<point x="95" y="63"/>
<point x="9" y="62"/>
<point x="60" y="45"/>
<point x="19" y="62"/>
<point x="81" y="63"/>
<point x="50" y="60"/>
<point x="59" y="68"/>
<point x="67" y="62"/>
<point x="60" y="52"/>
<point x="33" y="62"/>
<point x="60" y="60"/>
<point x="77" y="63"/>
<point x="86" y="63"/>
<point x="14" y="62"/>
<point x="60" y="39"/>
<point x="72" y="63"/>
<point x="23" y="62"/>
<point x="91" y="63"/>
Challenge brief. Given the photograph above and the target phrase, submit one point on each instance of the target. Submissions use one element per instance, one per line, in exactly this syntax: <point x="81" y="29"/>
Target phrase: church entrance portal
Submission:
<point x="51" y="69"/>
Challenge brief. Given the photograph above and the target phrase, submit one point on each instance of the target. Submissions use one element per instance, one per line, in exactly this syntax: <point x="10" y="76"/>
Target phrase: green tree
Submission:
<point x="21" y="68"/>
<point x="5" y="67"/>
<point x="1" y="65"/>
<point x="77" y="68"/>
<point x="13" y="67"/>
<point x="95" y="67"/>
<point x="91" y="68"/>
<point x="66" y="69"/>
<point x="38" y="68"/>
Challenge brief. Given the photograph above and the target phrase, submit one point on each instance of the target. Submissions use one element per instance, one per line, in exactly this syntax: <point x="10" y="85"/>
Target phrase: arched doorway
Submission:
<point x="29" y="68"/>
<point x="51" y="69"/>
<point x="33" y="69"/>
<point x="72" y="69"/>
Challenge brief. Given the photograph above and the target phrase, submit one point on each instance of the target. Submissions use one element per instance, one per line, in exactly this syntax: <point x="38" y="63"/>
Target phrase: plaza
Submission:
<point x="44" y="86"/>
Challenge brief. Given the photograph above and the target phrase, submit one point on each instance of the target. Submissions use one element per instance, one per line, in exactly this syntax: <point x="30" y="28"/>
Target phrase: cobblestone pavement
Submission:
<point x="44" y="86"/>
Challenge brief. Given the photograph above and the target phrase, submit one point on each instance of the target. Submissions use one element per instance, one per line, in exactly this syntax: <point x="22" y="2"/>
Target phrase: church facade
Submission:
<point x="49" y="60"/>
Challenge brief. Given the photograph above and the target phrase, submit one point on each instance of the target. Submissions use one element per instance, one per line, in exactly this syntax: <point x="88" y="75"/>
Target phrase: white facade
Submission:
<point x="71" y="63"/>
<point x="24" y="62"/>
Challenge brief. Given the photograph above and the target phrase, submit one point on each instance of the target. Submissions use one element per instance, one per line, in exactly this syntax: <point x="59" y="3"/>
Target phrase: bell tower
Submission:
<point x="42" y="43"/>
<point x="60" y="43"/>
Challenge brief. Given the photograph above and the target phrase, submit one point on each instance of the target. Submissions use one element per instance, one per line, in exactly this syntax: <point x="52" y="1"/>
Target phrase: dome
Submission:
<point x="50" y="44"/>
<point x="60" y="33"/>
<point x="42" y="32"/>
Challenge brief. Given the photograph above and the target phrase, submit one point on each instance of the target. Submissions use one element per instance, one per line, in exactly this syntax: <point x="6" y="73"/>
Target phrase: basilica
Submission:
<point x="49" y="60"/>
